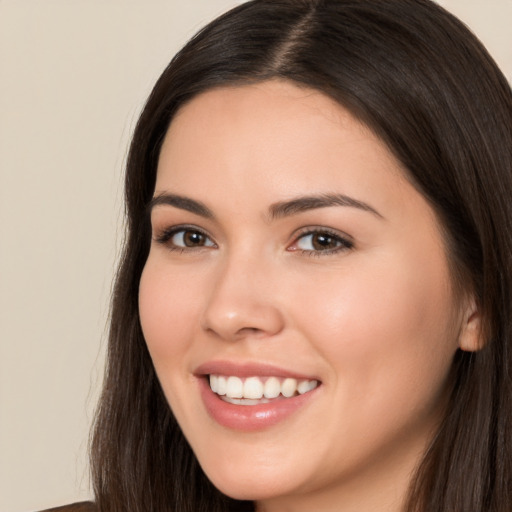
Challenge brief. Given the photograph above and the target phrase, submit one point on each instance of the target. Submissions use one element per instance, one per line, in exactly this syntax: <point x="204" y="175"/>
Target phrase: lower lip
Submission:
<point x="251" y="417"/>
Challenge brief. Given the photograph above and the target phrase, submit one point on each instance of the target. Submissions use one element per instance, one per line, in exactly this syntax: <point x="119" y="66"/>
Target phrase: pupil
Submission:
<point x="193" y="238"/>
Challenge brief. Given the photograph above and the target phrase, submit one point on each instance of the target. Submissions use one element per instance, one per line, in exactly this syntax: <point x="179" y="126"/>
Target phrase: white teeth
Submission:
<point x="214" y="383"/>
<point x="245" y="401"/>
<point x="234" y="387"/>
<point x="288" y="387"/>
<point x="306" y="385"/>
<point x="221" y="385"/>
<point x="254" y="390"/>
<point x="272" y="388"/>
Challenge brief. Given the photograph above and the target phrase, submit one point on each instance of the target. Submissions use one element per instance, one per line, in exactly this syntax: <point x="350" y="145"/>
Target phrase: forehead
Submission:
<point x="290" y="98"/>
<point x="274" y="130"/>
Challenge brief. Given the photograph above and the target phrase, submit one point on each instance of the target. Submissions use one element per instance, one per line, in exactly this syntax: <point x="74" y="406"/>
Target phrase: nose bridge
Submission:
<point x="241" y="300"/>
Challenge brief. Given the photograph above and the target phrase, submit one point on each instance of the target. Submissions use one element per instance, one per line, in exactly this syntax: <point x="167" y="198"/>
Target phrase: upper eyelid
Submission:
<point x="169" y="231"/>
<point x="346" y="242"/>
<point x="311" y="230"/>
<point x="179" y="227"/>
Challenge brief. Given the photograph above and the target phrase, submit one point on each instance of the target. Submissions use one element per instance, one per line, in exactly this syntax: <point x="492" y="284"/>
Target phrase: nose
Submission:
<point x="242" y="302"/>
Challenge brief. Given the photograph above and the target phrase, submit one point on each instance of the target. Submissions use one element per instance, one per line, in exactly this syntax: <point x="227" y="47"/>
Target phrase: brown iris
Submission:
<point x="324" y="241"/>
<point x="193" y="239"/>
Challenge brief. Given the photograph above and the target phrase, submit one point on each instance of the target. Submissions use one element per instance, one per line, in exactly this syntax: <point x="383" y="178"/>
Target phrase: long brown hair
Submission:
<point x="423" y="83"/>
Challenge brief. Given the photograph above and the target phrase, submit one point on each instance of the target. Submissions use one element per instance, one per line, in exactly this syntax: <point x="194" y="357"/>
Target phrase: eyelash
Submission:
<point x="343" y="243"/>
<point x="167" y="234"/>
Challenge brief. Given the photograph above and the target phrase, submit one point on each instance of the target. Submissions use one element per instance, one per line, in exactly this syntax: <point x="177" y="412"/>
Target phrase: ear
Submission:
<point x="471" y="335"/>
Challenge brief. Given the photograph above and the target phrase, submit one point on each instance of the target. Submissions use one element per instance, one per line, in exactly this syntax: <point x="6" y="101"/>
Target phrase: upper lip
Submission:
<point x="248" y="369"/>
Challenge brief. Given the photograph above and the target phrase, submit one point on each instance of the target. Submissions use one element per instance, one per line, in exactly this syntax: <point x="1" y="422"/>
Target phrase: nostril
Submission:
<point x="249" y="330"/>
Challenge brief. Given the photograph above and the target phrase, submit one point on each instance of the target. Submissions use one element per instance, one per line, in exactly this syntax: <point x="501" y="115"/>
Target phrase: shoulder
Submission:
<point x="83" y="506"/>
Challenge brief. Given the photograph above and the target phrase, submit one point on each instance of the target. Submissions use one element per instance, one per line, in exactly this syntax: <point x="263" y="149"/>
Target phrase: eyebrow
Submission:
<point x="305" y="203"/>
<point x="181" y="202"/>
<point x="276" y="210"/>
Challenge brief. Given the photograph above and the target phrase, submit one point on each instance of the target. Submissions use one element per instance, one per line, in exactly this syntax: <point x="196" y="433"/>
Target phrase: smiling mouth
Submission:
<point x="258" y="390"/>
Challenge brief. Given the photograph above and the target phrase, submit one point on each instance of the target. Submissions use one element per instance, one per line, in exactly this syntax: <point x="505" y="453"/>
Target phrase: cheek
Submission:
<point x="386" y="329"/>
<point x="168" y="307"/>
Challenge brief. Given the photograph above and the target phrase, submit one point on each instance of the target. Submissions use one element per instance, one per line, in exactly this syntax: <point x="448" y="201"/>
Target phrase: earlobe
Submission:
<point x="471" y="334"/>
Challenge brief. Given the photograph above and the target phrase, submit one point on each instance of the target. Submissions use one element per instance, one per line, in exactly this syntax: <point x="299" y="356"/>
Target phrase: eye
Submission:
<point x="185" y="238"/>
<point x="189" y="238"/>
<point x="320" y="241"/>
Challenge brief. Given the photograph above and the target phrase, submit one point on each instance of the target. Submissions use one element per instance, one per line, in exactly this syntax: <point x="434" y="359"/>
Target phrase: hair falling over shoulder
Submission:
<point x="426" y="86"/>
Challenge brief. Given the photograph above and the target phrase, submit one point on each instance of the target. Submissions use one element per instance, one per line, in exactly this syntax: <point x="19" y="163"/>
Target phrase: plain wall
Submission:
<point x="73" y="77"/>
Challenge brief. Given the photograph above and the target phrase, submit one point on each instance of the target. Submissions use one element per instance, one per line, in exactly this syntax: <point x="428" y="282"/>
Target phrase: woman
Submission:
<point x="313" y="310"/>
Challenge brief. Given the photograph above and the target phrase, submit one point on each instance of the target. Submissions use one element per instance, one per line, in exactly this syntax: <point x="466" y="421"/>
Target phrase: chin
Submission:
<point x="245" y="481"/>
<point x="248" y="488"/>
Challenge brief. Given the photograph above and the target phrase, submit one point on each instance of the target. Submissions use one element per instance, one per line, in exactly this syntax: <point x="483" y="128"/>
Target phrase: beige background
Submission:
<point x="73" y="76"/>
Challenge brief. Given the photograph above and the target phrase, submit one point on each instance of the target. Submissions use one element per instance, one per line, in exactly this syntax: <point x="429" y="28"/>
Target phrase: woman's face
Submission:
<point x="290" y="256"/>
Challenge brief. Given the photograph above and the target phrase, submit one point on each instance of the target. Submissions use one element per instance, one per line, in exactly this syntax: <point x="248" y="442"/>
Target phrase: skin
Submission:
<point x="377" y="321"/>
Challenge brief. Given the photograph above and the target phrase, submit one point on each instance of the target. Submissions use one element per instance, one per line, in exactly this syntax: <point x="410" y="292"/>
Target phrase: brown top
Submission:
<point x="83" y="506"/>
